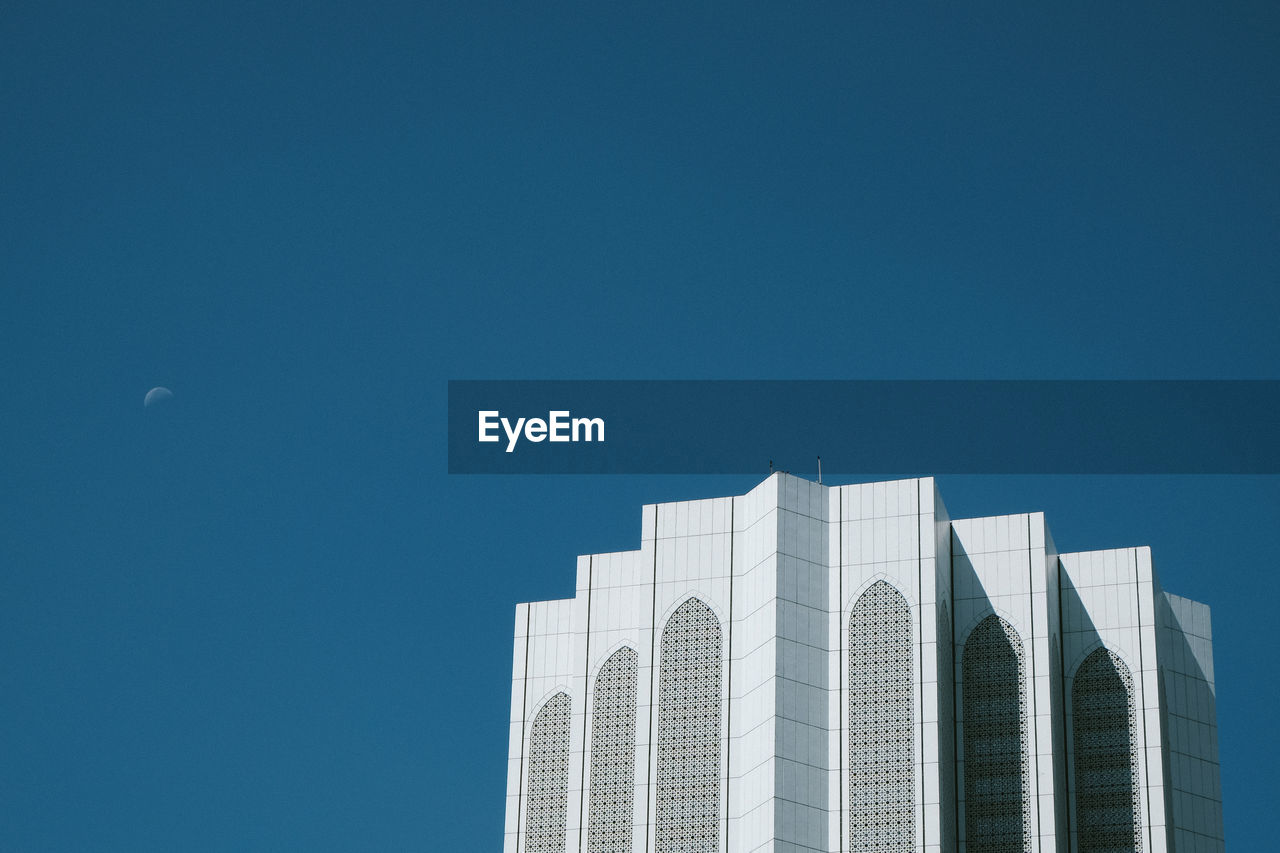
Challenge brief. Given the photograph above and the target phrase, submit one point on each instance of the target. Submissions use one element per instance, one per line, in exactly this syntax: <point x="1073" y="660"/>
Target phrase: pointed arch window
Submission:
<point x="881" y="690"/>
<point x="547" y="795"/>
<point x="1105" y="741"/>
<point x="687" y="817"/>
<point x="613" y="755"/>
<point x="997" y="779"/>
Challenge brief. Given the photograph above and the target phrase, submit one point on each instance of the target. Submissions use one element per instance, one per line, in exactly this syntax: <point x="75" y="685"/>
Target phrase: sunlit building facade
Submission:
<point x="814" y="668"/>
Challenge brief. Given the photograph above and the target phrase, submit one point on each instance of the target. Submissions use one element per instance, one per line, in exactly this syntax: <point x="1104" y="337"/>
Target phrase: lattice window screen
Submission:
<point x="547" y="798"/>
<point x="613" y="755"/>
<point x="997" y="779"/>
<point x="1108" y="803"/>
<point x="881" y="692"/>
<point x="689" y="695"/>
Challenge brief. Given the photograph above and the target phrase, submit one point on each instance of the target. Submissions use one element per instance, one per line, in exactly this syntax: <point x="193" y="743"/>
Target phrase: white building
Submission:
<point x="813" y="668"/>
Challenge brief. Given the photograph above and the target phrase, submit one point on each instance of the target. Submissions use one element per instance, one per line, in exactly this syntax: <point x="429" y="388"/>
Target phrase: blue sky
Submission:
<point x="263" y="617"/>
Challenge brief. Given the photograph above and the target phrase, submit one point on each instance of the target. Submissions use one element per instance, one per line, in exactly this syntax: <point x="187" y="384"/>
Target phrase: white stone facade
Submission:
<point x="813" y="668"/>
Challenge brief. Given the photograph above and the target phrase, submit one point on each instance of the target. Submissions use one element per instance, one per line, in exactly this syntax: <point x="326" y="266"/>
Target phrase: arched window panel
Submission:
<point x="1105" y="741"/>
<point x="687" y="818"/>
<point x="547" y="795"/>
<point x="613" y="755"/>
<point x="997" y="778"/>
<point x="881" y="691"/>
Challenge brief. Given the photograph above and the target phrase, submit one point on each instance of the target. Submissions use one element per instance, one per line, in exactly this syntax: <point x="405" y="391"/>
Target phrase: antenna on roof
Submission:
<point x="770" y="466"/>
<point x="819" y="470"/>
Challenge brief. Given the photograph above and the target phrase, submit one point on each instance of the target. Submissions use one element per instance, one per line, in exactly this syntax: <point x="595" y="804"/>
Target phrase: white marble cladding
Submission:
<point x="1186" y="661"/>
<point x="544" y="666"/>
<point x="1001" y="565"/>
<point x="801" y="735"/>
<point x="782" y="567"/>
<point x="891" y="532"/>
<point x="1107" y="601"/>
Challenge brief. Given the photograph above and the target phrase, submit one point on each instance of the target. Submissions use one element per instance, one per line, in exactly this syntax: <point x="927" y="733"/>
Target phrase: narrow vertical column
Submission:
<point x="515" y="749"/>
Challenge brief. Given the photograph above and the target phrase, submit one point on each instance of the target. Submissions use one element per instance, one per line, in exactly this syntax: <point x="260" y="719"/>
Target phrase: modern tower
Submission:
<point x="812" y="668"/>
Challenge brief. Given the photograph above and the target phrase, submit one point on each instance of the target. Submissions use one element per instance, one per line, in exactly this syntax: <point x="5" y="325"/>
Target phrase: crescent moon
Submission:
<point x="156" y="396"/>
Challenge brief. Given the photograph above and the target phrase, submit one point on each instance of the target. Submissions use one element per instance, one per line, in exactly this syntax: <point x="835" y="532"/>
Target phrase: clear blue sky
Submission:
<point x="262" y="617"/>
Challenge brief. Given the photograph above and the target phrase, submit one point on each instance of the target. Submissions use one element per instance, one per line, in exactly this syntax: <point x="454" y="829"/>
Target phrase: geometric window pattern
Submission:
<point x="1108" y="808"/>
<point x="997" y="783"/>
<point x="613" y="755"/>
<point x="548" y="794"/>
<point x="689" y="695"/>
<point x="882" y="816"/>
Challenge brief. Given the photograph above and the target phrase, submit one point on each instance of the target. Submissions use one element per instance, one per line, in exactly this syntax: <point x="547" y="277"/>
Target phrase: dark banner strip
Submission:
<point x="923" y="427"/>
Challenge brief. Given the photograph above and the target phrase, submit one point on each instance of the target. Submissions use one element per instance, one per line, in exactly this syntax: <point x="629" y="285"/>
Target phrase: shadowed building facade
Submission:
<point x="813" y="668"/>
